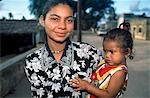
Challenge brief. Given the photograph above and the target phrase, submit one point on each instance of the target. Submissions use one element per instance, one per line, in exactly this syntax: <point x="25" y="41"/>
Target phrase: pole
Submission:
<point x="79" y="35"/>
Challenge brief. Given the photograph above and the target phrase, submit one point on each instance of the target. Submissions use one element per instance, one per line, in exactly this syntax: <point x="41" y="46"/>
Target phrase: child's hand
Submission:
<point x="79" y="84"/>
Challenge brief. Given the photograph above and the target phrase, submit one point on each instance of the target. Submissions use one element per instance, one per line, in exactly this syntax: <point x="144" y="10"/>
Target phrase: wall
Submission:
<point x="139" y="28"/>
<point x="16" y="43"/>
<point x="12" y="72"/>
<point x="148" y="29"/>
<point x="11" y="76"/>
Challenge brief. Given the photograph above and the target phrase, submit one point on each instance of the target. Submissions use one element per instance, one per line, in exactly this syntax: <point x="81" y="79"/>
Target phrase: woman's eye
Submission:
<point x="69" y="20"/>
<point x="54" y="19"/>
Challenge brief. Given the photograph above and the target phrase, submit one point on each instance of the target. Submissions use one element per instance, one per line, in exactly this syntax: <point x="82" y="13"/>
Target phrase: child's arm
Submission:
<point x="115" y="84"/>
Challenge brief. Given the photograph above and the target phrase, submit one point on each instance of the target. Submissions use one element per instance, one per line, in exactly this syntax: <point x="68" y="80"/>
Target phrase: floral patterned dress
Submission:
<point x="50" y="79"/>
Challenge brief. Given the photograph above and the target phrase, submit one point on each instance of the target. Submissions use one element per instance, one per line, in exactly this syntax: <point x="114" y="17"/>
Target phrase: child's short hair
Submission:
<point x="123" y="37"/>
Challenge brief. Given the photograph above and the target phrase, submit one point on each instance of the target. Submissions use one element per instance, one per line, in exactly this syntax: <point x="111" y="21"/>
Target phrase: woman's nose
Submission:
<point x="62" y="25"/>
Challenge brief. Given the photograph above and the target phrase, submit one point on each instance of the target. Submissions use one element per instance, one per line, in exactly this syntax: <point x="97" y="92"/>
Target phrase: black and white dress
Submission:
<point x="50" y="79"/>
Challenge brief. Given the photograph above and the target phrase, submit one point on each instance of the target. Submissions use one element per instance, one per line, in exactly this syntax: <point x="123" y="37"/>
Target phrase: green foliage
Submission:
<point x="92" y="10"/>
<point x="36" y="7"/>
<point x="10" y="15"/>
<point x="97" y="9"/>
<point x="23" y="18"/>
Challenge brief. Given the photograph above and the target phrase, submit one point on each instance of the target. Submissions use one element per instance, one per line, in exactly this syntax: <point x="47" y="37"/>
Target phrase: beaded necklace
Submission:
<point x="57" y="52"/>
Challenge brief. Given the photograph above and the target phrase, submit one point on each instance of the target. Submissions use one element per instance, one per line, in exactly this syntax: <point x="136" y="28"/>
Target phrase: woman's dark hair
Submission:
<point x="52" y="3"/>
<point x="123" y="37"/>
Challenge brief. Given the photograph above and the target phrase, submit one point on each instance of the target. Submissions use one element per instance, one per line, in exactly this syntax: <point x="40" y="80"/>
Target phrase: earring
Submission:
<point x="126" y="56"/>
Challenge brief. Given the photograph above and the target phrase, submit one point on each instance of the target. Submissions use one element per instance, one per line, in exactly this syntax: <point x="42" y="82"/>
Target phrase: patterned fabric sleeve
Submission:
<point x="32" y="71"/>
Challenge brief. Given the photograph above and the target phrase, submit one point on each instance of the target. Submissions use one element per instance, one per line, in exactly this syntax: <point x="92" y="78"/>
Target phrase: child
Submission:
<point x="110" y="79"/>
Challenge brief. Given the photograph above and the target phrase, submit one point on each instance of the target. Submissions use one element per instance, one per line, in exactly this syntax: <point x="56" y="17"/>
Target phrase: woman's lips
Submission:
<point x="60" y="34"/>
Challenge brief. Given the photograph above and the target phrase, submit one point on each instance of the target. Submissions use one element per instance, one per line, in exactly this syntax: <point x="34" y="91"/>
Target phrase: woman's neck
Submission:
<point x="56" y="46"/>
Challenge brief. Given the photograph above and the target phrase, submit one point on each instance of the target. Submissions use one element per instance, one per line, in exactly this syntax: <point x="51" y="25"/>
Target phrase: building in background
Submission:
<point x="139" y="25"/>
<point x="17" y="36"/>
<point x="140" y="28"/>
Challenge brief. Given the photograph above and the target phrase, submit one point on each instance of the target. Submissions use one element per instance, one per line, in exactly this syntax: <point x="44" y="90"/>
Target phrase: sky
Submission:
<point x="134" y="6"/>
<point x="19" y="8"/>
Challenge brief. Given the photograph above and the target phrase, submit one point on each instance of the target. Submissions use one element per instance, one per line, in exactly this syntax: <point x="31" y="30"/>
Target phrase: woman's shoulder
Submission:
<point x="85" y="45"/>
<point x="81" y="43"/>
<point x="35" y="54"/>
<point x="86" y="50"/>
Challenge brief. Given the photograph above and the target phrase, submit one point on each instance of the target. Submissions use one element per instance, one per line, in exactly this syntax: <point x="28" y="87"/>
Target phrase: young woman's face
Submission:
<point x="113" y="54"/>
<point x="58" y="23"/>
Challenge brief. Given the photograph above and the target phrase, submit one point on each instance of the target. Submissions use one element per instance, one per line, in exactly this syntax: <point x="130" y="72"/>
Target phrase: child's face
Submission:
<point x="113" y="54"/>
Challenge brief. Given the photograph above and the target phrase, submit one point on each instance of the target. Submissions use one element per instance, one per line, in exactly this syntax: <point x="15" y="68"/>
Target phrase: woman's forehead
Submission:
<point x="61" y="9"/>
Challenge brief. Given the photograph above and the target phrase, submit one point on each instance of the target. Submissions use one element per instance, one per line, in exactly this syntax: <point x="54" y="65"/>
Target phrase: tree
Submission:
<point x="92" y="10"/>
<point x="3" y="18"/>
<point x="111" y="14"/>
<point x="36" y="7"/>
<point x="23" y="18"/>
<point x="10" y="15"/>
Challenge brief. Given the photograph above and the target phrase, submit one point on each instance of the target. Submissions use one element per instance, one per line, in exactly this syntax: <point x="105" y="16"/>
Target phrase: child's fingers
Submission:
<point x="74" y="84"/>
<point x="77" y="80"/>
<point x="77" y="89"/>
<point x="74" y="81"/>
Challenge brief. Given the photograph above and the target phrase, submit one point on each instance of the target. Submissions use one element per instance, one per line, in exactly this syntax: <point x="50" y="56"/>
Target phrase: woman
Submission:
<point x="50" y="68"/>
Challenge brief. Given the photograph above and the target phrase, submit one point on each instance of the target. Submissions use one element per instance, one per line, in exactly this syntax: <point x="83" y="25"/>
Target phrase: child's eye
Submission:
<point x="111" y="51"/>
<point x="104" y="51"/>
